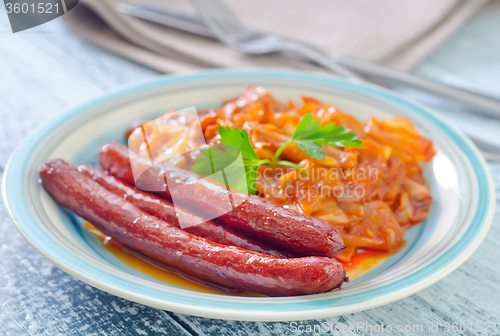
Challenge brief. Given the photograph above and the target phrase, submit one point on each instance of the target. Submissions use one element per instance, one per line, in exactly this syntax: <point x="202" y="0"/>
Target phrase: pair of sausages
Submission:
<point x="229" y="266"/>
<point x="164" y="210"/>
<point x="255" y="215"/>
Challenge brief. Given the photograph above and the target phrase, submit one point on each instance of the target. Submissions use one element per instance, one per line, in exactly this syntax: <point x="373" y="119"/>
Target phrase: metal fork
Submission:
<point x="226" y="26"/>
<point x="231" y="31"/>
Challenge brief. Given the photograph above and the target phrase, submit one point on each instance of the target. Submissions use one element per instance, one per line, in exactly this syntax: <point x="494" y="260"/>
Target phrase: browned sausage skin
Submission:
<point x="166" y="211"/>
<point x="225" y="265"/>
<point x="256" y="216"/>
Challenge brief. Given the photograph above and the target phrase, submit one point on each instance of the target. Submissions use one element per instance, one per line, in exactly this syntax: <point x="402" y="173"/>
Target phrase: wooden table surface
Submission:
<point x="46" y="71"/>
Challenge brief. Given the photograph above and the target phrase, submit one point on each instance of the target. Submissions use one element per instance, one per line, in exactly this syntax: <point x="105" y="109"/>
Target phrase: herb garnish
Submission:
<point x="308" y="136"/>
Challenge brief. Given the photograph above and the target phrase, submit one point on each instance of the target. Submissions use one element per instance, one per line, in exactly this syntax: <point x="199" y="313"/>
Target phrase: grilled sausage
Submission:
<point x="255" y="215"/>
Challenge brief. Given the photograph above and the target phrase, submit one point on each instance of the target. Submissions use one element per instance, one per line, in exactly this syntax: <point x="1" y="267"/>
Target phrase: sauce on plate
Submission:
<point x="361" y="263"/>
<point x="158" y="272"/>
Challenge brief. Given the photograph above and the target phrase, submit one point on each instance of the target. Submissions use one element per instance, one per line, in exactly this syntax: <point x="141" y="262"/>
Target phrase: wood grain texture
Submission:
<point x="43" y="73"/>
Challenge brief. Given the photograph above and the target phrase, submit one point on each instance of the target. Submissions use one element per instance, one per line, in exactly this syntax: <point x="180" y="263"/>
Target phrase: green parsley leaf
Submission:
<point x="239" y="138"/>
<point x="213" y="160"/>
<point x="312" y="149"/>
<point x="310" y="136"/>
<point x="224" y="159"/>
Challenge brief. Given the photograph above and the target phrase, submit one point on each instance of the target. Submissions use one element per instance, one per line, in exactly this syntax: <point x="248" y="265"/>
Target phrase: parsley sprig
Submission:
<point x="308" y="136"/>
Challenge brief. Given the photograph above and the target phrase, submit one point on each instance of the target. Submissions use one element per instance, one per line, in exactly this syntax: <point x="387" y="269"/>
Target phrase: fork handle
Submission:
<point x="317" y="56"/>
<point x="476" y="102"/>
<point x="347" y="66"/>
